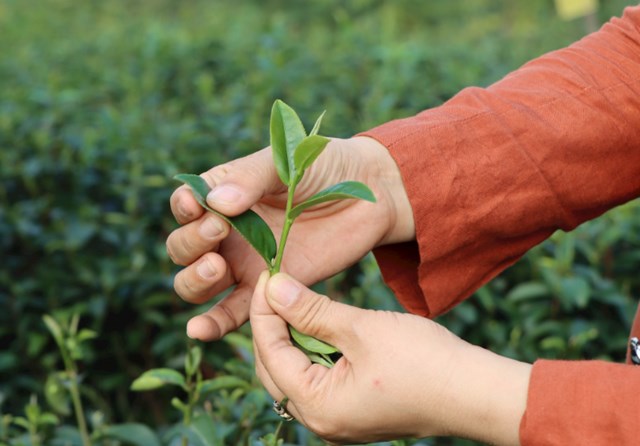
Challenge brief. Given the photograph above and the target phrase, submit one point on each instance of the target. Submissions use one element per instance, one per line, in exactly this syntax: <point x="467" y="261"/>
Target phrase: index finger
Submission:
<point x="184" y="206"/>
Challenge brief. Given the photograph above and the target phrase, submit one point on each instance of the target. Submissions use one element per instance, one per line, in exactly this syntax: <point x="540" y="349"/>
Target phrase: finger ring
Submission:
<point x="281" y="409"/>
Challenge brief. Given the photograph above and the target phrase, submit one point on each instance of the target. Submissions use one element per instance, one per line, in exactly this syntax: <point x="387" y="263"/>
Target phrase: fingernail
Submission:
<point x="206" y="270"/>
<point x="284" y="291"/>
<point x="210" y="228"/>
<point x="224" y="194"/>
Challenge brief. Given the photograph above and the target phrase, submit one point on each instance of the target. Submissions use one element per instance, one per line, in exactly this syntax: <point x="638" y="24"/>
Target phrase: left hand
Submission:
<point x="400" y="375"/>
<point x="216" y="258"/>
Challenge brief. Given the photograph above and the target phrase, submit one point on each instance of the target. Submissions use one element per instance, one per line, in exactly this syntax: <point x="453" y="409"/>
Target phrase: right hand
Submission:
<point x="400" y="375"/>
<point x="323" y="241"/>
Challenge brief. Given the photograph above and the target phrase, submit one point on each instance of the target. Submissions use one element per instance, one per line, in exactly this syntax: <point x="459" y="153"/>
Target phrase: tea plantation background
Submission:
<point x="102" y="102"/>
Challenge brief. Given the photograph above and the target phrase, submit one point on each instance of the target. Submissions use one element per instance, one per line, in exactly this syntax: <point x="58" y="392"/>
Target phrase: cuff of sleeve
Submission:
<point x="459" y="212"/>
<point x="399" y="267"/>
<point x="581" y="402"/>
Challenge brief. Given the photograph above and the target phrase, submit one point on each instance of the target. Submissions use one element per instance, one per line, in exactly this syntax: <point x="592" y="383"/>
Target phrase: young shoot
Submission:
<point x="294" y="151"/>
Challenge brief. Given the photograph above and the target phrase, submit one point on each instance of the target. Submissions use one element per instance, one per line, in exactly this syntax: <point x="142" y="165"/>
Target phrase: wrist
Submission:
<point x="385" y="173"/>
<point x="490" y="395"/>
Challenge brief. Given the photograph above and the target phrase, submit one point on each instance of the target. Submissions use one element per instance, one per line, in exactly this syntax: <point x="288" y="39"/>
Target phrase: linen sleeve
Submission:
<point x="591" y="403"/>
<point x="494" y="171"/>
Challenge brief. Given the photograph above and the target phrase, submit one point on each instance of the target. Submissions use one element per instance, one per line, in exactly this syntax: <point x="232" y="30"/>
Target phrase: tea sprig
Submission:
<point x="294" y="151"/>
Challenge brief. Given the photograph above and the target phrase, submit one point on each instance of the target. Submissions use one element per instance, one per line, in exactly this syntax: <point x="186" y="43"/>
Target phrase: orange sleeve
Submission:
<point x="583" y="403"/>
<point x="495" y="171"/>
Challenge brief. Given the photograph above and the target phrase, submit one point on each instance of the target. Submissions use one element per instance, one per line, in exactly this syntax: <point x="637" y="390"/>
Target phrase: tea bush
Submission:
<point x="101" y="103"/>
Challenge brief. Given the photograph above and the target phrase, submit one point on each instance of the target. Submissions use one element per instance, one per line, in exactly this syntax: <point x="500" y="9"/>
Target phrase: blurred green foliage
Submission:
<point x="102" y="102"/>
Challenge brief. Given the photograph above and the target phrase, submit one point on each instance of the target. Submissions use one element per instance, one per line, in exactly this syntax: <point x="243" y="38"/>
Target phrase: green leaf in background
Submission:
<point x="179" y="404"/>
<point x="527" y="291"/>
<point x="156" y="378"/>
<point x="316" y="126"/>
<point x="576" y="291"/>
<point x="192" y="360"/>
<point x="286" y="132"/>
<point x="54" y="328"/>
<point x="248" y="224"/>
<point x="310" y="343"/>
<point x="132" y="433"/>
<point x="85" y="334"/>
<point x="204" y="430"/>
<point x="66" y="436"/>
<point x="307" y="151"/>
<point x="56" y="394"/>
<point x="340" y="191"/>
<point x="222" y="382"/>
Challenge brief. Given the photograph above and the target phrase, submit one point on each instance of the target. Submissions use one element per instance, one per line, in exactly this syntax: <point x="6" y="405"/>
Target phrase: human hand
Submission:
<point x="217" y="258"/>
<point x="400" y="375"/>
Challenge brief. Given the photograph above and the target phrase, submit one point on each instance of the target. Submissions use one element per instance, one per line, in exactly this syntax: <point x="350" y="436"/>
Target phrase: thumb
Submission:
<point x="312" y="313"/>
<point x="240" y="184"/>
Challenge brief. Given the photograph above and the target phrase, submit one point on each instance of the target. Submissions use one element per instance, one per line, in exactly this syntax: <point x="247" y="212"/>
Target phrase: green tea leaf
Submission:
<point x="132" y="433"/>
<point x="307" y="151"/>
<point x="248" y="224"/>
<point x="316" y="358"/>
<point x="192" y="360"/>
<point x="527" y="290"/>
<point x="54" y="328"/>
<point x="85" y="334"/>
<point x="340" y="191"/>
<point x="310" y="343"/>
<point x="316" y="126"/>
<point x="203" y="430"/>
<point x="223" y="382"/>
<point x="278" y="143"/>
<point x="32" y="411"/>
<point x="56" y="393"/>
<point x="178" y="404"/>
<point x="156" y="378"/>
<point x="22" y="422"/>
<point x="48" y="418"/>
<point x="286" y="132"/>
<point x="67" y="435"/>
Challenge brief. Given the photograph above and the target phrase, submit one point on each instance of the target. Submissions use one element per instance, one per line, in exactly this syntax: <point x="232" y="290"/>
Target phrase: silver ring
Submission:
<point x="281" y="409"/>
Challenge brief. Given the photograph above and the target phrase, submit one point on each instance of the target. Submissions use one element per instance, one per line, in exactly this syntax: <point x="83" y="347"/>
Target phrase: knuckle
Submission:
<point x="171" y="249"/>
<point x="179" y="247"/>
<point x="187" y="286"/>
<point x="314" y="313"/>
<point x="187" y="244"/>
<point x="229" y="320"/>
<point x="216" y="174"/>
<point x="183" y="205"/>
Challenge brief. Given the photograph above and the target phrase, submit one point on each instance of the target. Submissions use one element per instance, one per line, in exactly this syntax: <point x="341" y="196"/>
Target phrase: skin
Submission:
<point x="400" y="375"/>
<point x="216" y="258"/>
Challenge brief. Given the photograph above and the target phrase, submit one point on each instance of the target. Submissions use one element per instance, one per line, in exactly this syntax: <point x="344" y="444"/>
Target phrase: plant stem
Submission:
<point x="74" y="390"/>
<point x="186" y="421"/>
<point x="276" y="435"/>
<point x="33" y="435"/>
<point x="77" y="406"/>
<point x="285" y="230"/>
<point x="186" y="415"/>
